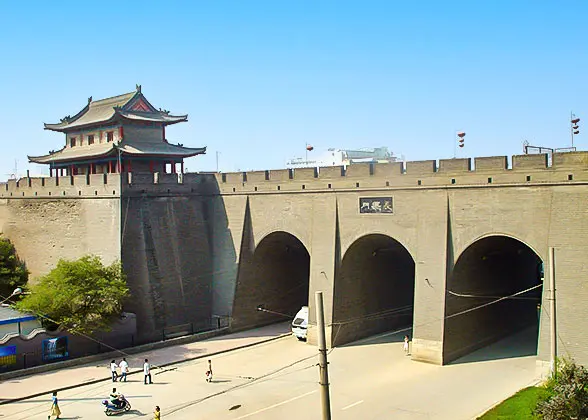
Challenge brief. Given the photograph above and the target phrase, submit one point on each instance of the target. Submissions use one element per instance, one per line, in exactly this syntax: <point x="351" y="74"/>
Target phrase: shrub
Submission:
<point x="567" y="393"/>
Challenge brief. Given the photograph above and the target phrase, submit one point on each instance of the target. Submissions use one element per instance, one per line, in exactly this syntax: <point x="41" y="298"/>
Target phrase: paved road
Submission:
<point x="371" y="379"/>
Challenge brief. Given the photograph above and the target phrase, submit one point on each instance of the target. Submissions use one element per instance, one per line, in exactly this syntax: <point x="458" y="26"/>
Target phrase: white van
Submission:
<point x="300" y="323"/>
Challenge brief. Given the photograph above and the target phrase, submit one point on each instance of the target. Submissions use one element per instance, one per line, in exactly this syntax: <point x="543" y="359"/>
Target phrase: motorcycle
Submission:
<point x="110" y="409"/>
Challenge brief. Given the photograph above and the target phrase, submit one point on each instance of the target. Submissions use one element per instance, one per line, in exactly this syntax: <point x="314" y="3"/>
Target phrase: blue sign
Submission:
<point x="7" y="355"/>
<point x="55" y="348"/>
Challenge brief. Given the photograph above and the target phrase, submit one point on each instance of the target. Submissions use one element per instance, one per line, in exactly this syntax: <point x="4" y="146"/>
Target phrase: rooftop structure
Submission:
<point x="338" y="157"/>
<point x="119" y="134"/>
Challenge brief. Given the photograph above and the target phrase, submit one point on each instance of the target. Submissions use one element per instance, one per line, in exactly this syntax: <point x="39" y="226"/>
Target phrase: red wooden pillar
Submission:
<point x="129" y="167"/>
<point x="151" y="166"/>
<point x="109" y="166"/>
<point x="182" y="167"/>
<point x="164" y="133"/>
<point x="173" y="164"/>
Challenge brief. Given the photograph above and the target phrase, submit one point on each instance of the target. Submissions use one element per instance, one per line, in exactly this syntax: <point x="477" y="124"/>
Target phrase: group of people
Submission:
<point x="124" y="370"/>
<point x="116" y="398"/>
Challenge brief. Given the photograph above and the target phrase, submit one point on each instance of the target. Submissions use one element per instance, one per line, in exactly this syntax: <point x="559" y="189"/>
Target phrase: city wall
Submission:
<point x="181" y="237"/>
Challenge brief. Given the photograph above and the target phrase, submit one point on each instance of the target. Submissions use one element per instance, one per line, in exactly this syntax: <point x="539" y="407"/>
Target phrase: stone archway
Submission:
<point x="374" y="289"/>
<point x="275" y="276"/>
<point x="492" y="268"/>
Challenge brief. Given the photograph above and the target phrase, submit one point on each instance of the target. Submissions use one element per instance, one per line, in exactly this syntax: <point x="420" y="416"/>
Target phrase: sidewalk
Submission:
<point x="44" y="383"/>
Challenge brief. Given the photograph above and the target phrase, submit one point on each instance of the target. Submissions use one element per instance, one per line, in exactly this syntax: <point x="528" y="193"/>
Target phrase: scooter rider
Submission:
<point x="116" y="399"/>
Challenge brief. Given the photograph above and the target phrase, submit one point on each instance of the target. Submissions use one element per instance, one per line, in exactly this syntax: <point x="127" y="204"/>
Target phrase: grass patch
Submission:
<point x="520" y="406"/>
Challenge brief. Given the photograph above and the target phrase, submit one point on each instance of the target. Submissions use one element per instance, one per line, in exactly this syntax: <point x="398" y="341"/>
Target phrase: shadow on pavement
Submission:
<point x="521" y="344"/>
<point x="396" y="336"/>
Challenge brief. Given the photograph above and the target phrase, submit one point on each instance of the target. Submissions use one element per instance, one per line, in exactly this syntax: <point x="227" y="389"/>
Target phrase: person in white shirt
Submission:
<point x="147" y="371"/>
<point x="113" y="367"/>
<point x="124" y="369"/>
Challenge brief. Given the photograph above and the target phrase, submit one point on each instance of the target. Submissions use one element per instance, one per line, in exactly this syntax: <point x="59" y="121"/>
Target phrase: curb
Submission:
<point x="142" y="348"/>
<point x="95" y="381"/>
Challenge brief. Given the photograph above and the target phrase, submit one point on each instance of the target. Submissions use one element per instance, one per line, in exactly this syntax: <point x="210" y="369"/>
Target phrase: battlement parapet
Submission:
<point x="563" y="167"/>
<point x="94" y="185"/>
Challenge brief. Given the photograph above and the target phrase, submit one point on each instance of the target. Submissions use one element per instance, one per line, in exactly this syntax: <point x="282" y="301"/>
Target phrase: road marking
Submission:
<point x="275" y="405"/>
<point x="352" y="405"/>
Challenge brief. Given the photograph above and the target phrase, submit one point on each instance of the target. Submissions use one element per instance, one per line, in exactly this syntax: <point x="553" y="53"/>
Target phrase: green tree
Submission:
<point x="13" y="271"/>
<point x="83" y="296"/>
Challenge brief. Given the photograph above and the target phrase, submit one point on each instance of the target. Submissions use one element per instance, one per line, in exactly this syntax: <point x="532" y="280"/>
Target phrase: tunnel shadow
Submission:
<point x="273" y="279"/>
<point x="519" y="344"/>
<point x="487" y="315"/>
<point x="374" y="291"/>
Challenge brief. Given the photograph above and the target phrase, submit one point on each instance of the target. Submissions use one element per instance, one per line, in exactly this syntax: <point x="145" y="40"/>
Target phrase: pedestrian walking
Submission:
<point x="406" y="340"/>
<point x="113" y="367"/>
<point x="147" y="371"/>
<point x="210" y="366"/>
<point x="157" y="413"/>
<point x="124" y="369"/>
<point x="55" y="411"/>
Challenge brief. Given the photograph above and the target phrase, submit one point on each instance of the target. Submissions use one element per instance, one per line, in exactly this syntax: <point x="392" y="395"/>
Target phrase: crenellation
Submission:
<point x="491" y="163"/>
<point x="305" y="173"/>
<point x="256" y="176"/>
<point x="281" y="175"/>
<point x="455" y="165"/>
<point x="538" y="161"/>
<point x="421" y="167"/>
<point x="332" y="172"/>
<point x="570" y="159"/>
<point x="359" y="170"/>
<point x="392" y="169"/>
<point x="567" y="167"/>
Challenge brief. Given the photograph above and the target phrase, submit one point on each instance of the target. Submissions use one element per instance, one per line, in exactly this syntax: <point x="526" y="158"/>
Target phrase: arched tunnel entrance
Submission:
<point x="276" y="277"/>
<point x="492" y="268"/>
<point x="374" y="289"/>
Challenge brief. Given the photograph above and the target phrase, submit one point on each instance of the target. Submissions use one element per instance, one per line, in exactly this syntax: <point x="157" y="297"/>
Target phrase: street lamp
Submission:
<point x="15" y="292"/>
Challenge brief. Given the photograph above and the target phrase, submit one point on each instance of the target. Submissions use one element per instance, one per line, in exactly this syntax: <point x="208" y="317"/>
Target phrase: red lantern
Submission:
<point x="577" y="132"/>
<point x="309" y="147"/>
<point x="575" y="120"/>
<point x="461" y="134"/>
<point x="461" y="145"/>
<point x="575" y="127"/>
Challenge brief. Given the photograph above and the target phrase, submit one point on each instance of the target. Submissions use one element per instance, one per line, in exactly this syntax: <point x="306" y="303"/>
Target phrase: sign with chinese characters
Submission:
<point x="375" y="205"/>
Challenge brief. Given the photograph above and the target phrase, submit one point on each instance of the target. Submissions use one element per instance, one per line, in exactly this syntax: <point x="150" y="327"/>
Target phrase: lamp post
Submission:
<point x="574" y="127"/>
<point x="15" y="292"/>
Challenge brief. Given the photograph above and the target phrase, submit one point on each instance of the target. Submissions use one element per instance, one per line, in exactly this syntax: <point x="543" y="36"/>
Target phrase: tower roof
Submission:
<point x="130" y="106"/>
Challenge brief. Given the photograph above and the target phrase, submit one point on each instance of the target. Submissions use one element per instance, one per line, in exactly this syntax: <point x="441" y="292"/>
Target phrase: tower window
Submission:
<point x="90" y="139"/>
<point x="72" y="142"/>
<point x="110" y="136"/>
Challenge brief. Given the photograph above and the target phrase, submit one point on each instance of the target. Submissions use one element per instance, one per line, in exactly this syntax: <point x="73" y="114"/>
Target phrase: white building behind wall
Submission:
<point x="339" y="157"/>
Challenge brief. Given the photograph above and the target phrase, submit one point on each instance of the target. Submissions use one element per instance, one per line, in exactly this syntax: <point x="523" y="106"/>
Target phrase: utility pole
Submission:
<point x="217" y="153"/>
<point x="552" y="318"/>
<point x="323" y="364"/>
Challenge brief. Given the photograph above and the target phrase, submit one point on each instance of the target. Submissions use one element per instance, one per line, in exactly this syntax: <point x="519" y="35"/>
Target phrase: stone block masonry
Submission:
<point x="188" y="241"/>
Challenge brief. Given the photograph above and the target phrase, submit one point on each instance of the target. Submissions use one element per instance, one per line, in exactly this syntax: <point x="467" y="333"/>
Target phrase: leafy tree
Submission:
<point x="83" y="296"/>
<point x="13" y="271"/>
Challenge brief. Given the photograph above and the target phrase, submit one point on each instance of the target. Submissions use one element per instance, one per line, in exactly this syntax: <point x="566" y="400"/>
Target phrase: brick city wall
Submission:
<point x="183" y="235"/>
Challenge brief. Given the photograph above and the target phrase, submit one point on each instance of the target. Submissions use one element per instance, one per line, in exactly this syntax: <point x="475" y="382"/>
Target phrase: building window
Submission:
<point x="72" y="142"/>
<point x="110" y="136"/>
<point x="90" y="139"/>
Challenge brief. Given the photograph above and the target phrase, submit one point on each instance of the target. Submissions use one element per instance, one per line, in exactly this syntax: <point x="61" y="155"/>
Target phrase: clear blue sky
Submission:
<point x="259" y="80"/>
